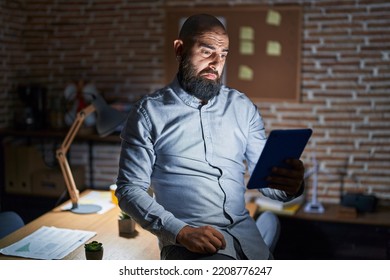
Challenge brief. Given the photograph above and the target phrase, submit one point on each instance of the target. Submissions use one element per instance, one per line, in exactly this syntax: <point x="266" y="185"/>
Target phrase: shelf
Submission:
<point x="30" y="206"/>
<point x="85" y="135"/>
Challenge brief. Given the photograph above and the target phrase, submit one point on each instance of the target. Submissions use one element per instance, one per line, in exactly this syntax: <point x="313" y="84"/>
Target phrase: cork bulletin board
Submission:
<point x="264" y="51"/>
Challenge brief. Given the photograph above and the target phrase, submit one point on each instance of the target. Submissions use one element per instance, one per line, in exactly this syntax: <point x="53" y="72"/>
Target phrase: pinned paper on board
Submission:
<point x="246" y="40"/>
<point x="246" y="48"/>
<point x="247" y="33"/>
<point x="245" y="73"/>
<point x="273" y="18"/>
<point x="274" y="48"/>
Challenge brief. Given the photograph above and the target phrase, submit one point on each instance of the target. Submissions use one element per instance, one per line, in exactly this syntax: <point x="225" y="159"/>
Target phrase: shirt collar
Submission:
<point x="187" y="98"/>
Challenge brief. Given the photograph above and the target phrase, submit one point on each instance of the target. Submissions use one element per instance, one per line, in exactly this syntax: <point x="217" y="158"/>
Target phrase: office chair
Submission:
<point x="9" y="222"/>
<point x="269" y="227"/>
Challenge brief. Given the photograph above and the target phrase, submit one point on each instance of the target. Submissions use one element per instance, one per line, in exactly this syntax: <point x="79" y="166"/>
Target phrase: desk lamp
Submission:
<point x="108" y="119"/>
<point x="314" y="206"/>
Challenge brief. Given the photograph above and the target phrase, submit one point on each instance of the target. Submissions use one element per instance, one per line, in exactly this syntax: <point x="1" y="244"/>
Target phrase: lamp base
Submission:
<point x="314" y="207"/>
<point x="86" y="209"/>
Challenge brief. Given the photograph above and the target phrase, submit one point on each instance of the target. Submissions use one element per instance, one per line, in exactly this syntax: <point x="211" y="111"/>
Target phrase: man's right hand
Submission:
<point x="204" y="240"/>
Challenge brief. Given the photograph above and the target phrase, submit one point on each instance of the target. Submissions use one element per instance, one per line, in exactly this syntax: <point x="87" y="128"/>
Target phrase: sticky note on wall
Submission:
<point x="273" y="18"/>
<point x="247" y="36"/>
<point x="247" y="33"/>
<point x="245" y="73"/>
<point x="274" y="48"/>
<point x="246" y="48"/>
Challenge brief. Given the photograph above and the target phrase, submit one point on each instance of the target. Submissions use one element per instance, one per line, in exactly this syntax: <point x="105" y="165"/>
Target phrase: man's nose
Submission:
<point x="215" y="60"/>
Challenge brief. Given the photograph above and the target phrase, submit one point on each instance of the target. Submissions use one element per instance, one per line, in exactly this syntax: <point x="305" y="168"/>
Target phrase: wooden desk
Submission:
<point x="141" y="247"/>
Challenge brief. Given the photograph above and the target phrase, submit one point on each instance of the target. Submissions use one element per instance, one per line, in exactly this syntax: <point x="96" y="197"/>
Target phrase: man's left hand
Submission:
<point x="288" y="179"/>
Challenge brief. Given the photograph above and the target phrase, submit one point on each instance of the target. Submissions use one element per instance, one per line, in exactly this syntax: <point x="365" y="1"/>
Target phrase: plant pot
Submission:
<point x="94" y="255"/>
<point x="126" y="227"/>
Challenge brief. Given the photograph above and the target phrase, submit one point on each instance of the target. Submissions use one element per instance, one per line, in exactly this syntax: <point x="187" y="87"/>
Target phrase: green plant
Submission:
<point x="93" y="246"/>
<point x="126" y="225"/>
<point x="124" y="216"/>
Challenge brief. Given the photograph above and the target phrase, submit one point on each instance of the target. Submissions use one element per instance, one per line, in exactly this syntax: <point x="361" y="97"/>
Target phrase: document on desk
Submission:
<point x="48" y="243"/>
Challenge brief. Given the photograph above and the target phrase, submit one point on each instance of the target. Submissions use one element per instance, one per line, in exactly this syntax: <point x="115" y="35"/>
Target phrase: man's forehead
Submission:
<point x="213" y="38"/>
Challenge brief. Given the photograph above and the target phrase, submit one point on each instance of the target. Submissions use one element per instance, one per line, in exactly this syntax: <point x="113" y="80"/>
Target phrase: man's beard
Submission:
<point x="194" y="84"/>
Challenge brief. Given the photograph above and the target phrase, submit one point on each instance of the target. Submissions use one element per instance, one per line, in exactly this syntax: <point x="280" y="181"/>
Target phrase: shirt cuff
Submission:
<point x="171" y="229"/>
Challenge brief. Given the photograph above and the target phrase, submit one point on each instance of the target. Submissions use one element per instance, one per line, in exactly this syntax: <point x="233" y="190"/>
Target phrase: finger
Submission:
<point x="284" y="176"/>
<point x="295" y="163"/>
<point x="217" y="243"/>
<point x="223" y="246"/>
<point x="214" y="245"/>
<point x="216" y="237"/>
<point x="285" y="181"/>
<point x="287" y="189"/>
<point x="278" y="172"/>
<point x="214" y="232"/>
<point x="210" y="249"/>
<point x="217" y="234"/>
<point x="289" y="184"/>
<point x="211" y="244"/>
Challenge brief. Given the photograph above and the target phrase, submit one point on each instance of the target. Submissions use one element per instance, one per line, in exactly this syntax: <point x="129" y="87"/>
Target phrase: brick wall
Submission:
<point x="119" y="45"/>
<point x="12" y="22"/>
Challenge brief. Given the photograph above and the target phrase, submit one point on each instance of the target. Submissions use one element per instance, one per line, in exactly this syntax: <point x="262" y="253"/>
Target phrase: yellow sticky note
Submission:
<point x="273" y="18"/>
<point x="245" y="73"/>
<point x="247" y="33"/>
<point x="246" y="47"/>
<point x="274" y="48"/>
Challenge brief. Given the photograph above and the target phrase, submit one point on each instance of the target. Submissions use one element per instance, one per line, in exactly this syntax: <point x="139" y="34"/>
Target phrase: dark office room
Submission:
<point x="67" y="67"/>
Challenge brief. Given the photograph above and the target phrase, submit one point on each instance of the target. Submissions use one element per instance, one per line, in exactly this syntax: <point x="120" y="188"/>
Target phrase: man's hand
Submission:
<point x="204" y="240"/>
<point x="288" y="180"/>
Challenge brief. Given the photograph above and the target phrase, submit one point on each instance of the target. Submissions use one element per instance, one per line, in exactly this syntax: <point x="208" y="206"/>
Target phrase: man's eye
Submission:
<point x="206" y="53"/>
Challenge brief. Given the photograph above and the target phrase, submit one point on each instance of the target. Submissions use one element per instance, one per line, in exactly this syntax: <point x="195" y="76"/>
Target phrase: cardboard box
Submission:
<point x="50" y="182"/>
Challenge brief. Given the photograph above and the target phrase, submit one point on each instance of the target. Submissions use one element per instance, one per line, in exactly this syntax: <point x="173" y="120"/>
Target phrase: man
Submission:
<point x="190" y="141"/>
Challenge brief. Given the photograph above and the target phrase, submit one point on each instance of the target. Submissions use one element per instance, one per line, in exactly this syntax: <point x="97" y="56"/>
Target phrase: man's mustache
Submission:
<point x="209" y="71"/>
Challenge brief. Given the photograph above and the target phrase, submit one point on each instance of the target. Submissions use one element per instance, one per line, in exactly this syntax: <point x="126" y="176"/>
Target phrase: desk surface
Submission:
<point x="143" y="246"/>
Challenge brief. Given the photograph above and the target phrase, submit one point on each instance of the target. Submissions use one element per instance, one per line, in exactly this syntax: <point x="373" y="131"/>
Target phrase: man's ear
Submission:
<point x="178" y="47"/>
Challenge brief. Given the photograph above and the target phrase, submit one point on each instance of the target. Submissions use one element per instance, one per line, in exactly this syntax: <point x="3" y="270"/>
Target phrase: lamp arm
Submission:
<point x="63" y="149"/>
<point x="80" y="117"/>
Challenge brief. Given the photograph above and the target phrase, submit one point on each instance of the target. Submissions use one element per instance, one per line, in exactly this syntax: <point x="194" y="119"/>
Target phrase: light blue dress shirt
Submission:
<point x="194" y="158"/>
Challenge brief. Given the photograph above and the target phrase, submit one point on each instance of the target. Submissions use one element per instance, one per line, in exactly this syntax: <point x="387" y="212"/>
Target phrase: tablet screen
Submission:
<point x="280" y="145"/>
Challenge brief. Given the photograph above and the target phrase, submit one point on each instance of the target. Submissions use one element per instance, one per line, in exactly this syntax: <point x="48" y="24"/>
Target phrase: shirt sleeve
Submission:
<point x="136" y="162"/>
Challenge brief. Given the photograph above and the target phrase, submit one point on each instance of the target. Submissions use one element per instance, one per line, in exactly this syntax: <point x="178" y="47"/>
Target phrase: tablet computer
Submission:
<point x="280" y="145"/>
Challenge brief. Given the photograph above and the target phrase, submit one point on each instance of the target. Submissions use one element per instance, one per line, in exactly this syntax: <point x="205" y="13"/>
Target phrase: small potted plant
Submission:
<point x="93" y="250"/>
<point x="126" y="225"/>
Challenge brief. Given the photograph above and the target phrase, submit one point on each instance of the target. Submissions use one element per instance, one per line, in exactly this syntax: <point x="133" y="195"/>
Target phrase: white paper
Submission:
<point x="48" y="243"/>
